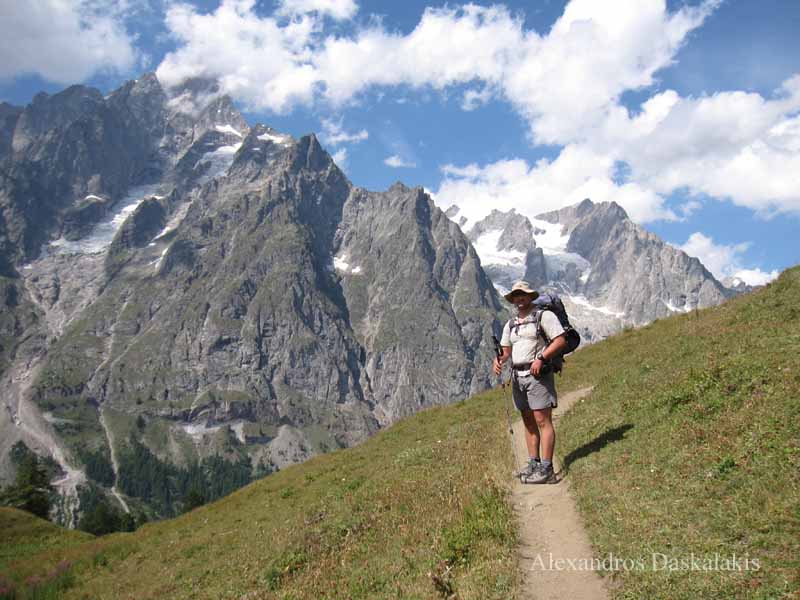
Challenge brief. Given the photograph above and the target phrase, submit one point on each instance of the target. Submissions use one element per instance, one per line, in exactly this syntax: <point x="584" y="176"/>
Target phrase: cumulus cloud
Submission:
<point x="257" y="60"/>
<point x="474" y="98"/>
<point x="340" y="158"/>
<point x="755" y="276"/>
<point x="725" y="260"/>
<point x="336" y="9"/>
<point x="333" y="133"/>
<point x="448" y="46"/>
<point x="734" y="145"/>
<point x="566" y="84"/>
<point x="276" y="65"/>
<point x="576" y="173"/>
<point x="398" y="162"/>
<point x="63" y="42"/>
<point x="570" y="80"/>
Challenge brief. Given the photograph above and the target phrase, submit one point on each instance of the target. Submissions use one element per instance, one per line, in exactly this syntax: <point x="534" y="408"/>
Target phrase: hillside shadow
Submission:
<point x="598" y="443"/>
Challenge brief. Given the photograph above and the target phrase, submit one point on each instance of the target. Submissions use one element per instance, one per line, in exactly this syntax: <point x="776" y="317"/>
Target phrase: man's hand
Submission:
<point x="536" y="368"/>
<point x="497" y="366"/>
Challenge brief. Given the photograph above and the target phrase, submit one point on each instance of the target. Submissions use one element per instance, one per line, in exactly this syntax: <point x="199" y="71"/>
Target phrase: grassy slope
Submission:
<point x="688" y="444"/>
<point x="691" y="443"/>
<point x="368" y="522"/>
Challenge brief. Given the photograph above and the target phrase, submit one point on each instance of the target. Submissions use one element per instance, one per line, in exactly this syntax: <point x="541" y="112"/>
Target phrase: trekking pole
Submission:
<point x="499" y="352"/>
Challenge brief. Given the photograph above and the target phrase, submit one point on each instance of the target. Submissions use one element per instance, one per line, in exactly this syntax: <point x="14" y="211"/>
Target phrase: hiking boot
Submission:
<point x="532" y="467"/>
<point x="540" y="475"/>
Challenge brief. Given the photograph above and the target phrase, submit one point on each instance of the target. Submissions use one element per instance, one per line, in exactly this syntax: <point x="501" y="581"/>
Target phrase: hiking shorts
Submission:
<point x="532" y="393"/>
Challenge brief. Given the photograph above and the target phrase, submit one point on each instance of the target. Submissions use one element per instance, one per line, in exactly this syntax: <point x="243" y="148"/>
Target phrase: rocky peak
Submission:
<point x="517" y="231"/>
<point x="737" y="285"/>
<point x="221" y="114"/>
<point x="307" y="153"/>
<point x="609" y="270"/>
<point x="586" y="209"/>
<point x="8" y="122"/>
<point x="141" y="104"/>
<point x="47" y="112"/>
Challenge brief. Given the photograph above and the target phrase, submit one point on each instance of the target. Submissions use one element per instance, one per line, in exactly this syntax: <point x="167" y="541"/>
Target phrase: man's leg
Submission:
<point x="543" y="420"/>
<point x="531" y="432"/>
<point x="544" y="423"/>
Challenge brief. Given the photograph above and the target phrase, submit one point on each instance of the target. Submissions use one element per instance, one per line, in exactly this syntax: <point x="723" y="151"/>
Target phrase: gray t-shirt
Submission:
<point x="524" y="342"/>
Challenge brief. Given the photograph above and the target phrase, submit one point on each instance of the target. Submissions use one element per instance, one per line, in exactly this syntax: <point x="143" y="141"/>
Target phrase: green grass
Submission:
<point x="419" y="510"/>
<point x="40" y="545"/>
<point x="689" y="444"/>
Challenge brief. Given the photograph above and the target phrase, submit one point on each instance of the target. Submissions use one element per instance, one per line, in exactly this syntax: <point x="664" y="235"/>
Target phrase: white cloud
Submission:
<point x="333" y="133"/>
<point x="257" y="60"/>
<point x="566" y="83"/>
<point x="569" y="81"/>
<point x="397" y="162"/>
<point x="725" y="260"/>
<point x="274" y="65"/>
<point x="577" y="173"/>
<point x="63" y="42"/>
<point x="337" y="9"/>
<point x="756" y="276"/>
<point x="474" y="98"/>
<point x="732" y="145"/>
<point x="448" y="46"/>
<point x="340" y="158"/>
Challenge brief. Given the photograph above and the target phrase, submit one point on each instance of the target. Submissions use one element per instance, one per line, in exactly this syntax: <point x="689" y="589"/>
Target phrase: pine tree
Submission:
<point x="102" y="519"/>
<point x="31" y="489"/>
<point x="193" y="499"/>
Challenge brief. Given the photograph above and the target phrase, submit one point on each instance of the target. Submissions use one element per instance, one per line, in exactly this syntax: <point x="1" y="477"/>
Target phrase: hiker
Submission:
<point x="533" y="378"/>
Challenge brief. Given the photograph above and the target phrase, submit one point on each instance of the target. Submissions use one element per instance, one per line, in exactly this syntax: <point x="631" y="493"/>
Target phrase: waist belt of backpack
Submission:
<point x="522" y="366"/>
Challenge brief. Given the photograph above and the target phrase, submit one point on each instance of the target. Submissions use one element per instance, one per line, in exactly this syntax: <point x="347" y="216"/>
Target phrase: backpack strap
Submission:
<point x="537" y="319"/>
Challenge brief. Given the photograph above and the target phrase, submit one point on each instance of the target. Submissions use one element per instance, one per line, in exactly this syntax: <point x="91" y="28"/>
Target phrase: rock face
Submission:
<point x="206" y="286"/>
<point x="609" y="271"/>
<point x="419" y="301"/>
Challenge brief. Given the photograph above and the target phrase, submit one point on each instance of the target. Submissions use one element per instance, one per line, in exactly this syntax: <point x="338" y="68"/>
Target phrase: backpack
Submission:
<point x="551" y="302"/>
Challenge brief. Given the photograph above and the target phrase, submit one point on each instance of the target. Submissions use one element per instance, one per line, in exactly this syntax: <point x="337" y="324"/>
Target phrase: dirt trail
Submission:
<point x="551" y="529"/>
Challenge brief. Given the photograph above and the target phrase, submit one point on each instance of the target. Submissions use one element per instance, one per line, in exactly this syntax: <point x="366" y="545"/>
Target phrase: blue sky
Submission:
<point x="684" y="113"/>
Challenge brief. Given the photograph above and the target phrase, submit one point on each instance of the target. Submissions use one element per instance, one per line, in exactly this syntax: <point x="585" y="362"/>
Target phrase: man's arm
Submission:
<point x="558" y="342"/>
<point x="556" y="347"/>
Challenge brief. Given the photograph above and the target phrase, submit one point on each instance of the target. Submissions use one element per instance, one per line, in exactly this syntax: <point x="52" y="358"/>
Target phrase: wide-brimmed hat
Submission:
<point x="522" y="286"/>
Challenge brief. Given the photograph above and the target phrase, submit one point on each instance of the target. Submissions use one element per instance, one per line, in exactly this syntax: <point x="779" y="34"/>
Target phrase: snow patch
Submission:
<point x="103" y="232"/>
<point x="173" y="223"/>
<point x="277" y="139"/>
<point x="686" y="308"/>
<point x="486" y="247"/>
<point x="197" y="431"/>
<point x="93" y="197"/>
<point x="340" y="264"/>
<point x="552" y="241"/>
<point x="557" y="262"/>
<point x="157" y="262"/>
<point x="228" y="129"/>
<point x="583" y="301"/>
<point x="219" y="162"/>
<point x="238" y="429"/>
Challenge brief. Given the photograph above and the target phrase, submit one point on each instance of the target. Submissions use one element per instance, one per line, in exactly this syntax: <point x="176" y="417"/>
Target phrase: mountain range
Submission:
<point x="178" y="285"/>
<point x="610" y="272"/>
